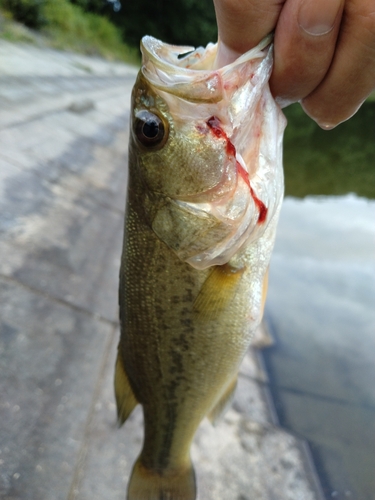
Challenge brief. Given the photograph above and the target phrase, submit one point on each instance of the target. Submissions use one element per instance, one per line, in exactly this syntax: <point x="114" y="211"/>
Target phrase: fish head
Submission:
<point x="179" y="154"/>
<point x="206" y="144"/>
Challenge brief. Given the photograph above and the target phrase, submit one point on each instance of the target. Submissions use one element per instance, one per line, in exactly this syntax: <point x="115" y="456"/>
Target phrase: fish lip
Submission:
<point x="165" y="71"/>
<point x="152" y="49"/>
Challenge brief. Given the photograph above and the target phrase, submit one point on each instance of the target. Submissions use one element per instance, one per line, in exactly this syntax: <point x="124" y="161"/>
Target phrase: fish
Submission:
<point x="205" y="187"/>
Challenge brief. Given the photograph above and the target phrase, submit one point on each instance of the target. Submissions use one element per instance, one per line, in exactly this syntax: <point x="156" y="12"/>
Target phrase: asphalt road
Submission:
<point x="63" y="143"/>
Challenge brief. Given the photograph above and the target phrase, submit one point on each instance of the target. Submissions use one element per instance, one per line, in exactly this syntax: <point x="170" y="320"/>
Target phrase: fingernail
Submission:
<point x="317" y="17"/>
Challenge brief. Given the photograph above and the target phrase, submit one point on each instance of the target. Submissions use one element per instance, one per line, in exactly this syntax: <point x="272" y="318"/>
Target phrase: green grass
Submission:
<point x="66" y="26"/>
<point x="337" y="161"/>
<point x="15" y="32"/>
<point x="71" y="28"/>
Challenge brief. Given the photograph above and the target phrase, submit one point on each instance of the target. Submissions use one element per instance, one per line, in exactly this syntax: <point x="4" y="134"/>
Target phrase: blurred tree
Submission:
<point x="28" y="12"/>
<point x="96" y="6"/>
<point x="184" y="22"/>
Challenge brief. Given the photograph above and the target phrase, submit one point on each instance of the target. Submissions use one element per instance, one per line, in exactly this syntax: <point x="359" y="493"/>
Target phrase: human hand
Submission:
<point x="324" y="50"/>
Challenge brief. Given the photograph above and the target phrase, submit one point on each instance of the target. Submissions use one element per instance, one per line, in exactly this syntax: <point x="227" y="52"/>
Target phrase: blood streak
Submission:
<point x="214" y="125"/>
<point x="261" y="207"/>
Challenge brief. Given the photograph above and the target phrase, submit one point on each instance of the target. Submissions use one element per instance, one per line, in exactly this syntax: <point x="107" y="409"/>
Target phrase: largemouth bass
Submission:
<point x="204" y="194"/>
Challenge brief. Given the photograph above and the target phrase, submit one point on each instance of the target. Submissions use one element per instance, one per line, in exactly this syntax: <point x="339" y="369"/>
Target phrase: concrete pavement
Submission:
<point x="63" y="143"/>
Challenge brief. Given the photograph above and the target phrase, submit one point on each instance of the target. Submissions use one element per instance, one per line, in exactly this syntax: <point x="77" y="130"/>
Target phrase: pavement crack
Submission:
<point x="82" y="454"/>
<point x="60" y="301"/>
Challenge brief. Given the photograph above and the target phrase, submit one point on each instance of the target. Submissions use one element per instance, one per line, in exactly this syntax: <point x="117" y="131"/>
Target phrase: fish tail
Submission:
<point x="148" y="484"/>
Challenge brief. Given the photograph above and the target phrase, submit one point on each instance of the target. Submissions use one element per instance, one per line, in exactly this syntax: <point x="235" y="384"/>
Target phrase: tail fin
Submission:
<point x="146" y="484"/>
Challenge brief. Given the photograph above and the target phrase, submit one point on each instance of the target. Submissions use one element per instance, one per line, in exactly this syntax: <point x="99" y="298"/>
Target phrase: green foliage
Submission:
<point x="70" y="23"/>
<point x="336" y="162"/>
<point x="95" y="6"/>
<point x="185" y="22"/>
<point x="90" y="33"/>
<point x="28" y="12"/>
<point x="66" y="17"/>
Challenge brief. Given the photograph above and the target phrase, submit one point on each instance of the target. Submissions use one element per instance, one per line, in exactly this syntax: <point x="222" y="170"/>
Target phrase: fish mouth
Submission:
<point x="166" y="70"/>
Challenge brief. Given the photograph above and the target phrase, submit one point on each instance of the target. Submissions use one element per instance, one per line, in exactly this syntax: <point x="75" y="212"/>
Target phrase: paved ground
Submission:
<point x="63" y="141"/>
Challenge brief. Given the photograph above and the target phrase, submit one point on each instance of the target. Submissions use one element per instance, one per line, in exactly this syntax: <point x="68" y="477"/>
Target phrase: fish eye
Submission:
<point x="150" y="129"/>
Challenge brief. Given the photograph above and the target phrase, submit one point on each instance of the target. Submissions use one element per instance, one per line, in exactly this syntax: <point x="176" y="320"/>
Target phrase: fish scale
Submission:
<point x="200" y="225"/>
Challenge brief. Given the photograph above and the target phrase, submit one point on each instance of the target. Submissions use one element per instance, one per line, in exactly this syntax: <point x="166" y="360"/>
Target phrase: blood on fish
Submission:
<point x="214" y="125"/>
<point x="245" y="176"/>
<point x="261" y="207"/>
<point x="259" y="204"/>
<point x="231" y="150"/>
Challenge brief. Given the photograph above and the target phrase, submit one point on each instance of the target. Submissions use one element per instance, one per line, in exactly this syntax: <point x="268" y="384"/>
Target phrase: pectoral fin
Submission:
<point x="222" y="405"/>
<point x="217" y="291"/>
<point x="125" y="399"/>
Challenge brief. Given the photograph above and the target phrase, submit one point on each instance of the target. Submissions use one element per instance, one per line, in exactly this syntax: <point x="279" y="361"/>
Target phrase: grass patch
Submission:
<point x="15" y="32"/>
<point x="68" y="27"/>
<point x="337" y="161"/>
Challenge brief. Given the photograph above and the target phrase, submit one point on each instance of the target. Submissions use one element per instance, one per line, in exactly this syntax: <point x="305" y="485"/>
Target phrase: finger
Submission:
<point x="242" y="24"/>
<point x="305" y="41"/>
<point x="351" y="77"/>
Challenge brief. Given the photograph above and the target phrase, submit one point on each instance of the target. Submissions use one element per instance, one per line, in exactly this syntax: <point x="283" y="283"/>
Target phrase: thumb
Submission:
<point x="242" y="24"/>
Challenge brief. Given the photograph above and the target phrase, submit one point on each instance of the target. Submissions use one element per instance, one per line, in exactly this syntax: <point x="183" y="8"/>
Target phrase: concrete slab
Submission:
<point x="50" y="359"/>
<point x="62" y="185"/>
<point x="47" y="245"/>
